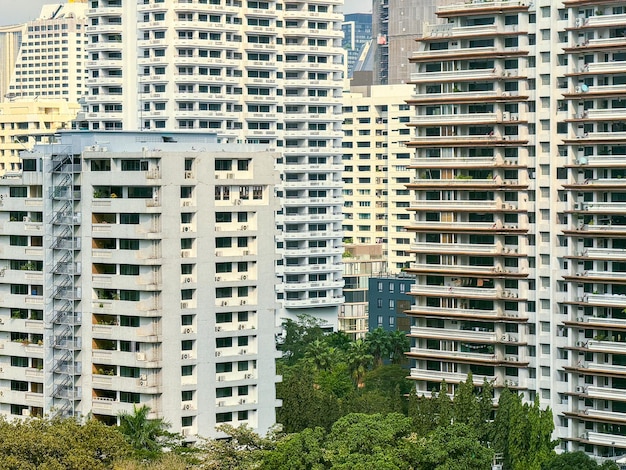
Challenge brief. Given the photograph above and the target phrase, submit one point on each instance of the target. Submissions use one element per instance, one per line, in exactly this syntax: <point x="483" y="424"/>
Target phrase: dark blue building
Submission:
<point x="357" y="30"/>
<point x="388" y="299"/>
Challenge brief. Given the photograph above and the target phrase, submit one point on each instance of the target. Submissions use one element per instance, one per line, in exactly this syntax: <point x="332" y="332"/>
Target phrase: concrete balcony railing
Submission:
<point x="604" y="67"/>
<point x="479" y="74"/>
<point x="456" y="205"/>
<point x="471" y="292"/>
<point x="456" y="118"/>
<point x="604" y="393"/>
<point x="480" y="4"/>
<point x="610" y="347"/>
<point x="449" y="377"/>
<point x="598" y="21"/>
<point x="452" y="355"/>
<point x="605" y="299"/>
<point x="455" y="335"/>
<point x="470" y="248"/>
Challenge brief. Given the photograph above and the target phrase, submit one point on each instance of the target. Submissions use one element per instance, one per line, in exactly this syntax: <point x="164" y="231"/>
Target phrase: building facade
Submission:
<point x="518" y="226"/>
<point x="267" y="72"/>
<point x="25" y="123"/>
<point x="376" y="170"/>
<point x="10" y="39"/>
<point x="389" y="299"/>
<point x="357" y="31"/>
<point x="360" y="262"/>
<point x="395" y="26"/>
<point x="132" y="274"/>
<point x="51" y="63"/>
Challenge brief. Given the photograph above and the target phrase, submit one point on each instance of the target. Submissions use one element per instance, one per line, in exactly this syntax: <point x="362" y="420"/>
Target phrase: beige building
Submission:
<point x="376" y="170"/>
<point x="360" y="262"/>
<point x="10" y="38"/>
<point x="25" y="123"/>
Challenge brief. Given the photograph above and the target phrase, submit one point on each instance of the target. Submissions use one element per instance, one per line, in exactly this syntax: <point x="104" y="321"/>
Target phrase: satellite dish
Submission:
<point x="584" y="88"/>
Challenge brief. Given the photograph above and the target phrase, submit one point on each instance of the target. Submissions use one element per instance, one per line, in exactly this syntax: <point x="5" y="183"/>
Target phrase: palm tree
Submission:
<point x="379" y="344"/>
<point x="320" y="355"/>
<point x="359" y="360"/>
<point x="398" y="345"/>
<point x="142" y="433"/>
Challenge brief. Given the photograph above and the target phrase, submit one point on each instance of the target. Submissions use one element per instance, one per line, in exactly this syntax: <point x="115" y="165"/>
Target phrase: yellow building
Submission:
<point x="24" y="123"/>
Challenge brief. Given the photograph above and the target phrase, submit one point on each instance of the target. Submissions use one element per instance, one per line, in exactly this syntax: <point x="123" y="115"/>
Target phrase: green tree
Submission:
<point x="242" y="450"/>
<point x="147" y="436"/>
<point x="575" y="460"/>
<point x="320" y="355"/>
<point x="466" y="410"/>
<point x="522" y="433"/>
<point x="386" y="378"/>
<point x="60" y="444"/>
<point x="359" y="360"/>
<point x="445" y="406"/>
<point x="305" y="404"/>
<point x="485" y="409"/>
<point x="379" y="345"/>
<point x="422" y="412"/>
<point x="452" y="447"/>
<point x="303" y="450"/>
<point x="363" y="442"/>
<point x="338" y="340"/>
<point x="399" y="345"/>
<point x="297" y="335"/>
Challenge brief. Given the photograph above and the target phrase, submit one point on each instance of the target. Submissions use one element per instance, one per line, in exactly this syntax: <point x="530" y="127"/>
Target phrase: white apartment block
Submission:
<point x="519" y="229"/>
<point x="267" y="72"/>
<point x="52" y="59"/>
<point x="376" y="170"/>
<point x="133" y="266"/>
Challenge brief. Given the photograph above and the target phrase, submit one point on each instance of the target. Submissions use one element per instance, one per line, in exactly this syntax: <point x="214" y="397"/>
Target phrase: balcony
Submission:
<point x="449" y="248"/>
<point x="455" y="119"/>
<point x="475" y="335"/>
<point x="451" y="356"/>
<point x="461" y="292"/>
<point x="461" y="226"/>
<point x="605" y="207"/>
<point x="432" y="205"/>
<point x="610" y="347"/>
<point x="449" y="377"/>
<point x="466" y="269"/>
<point x="615" y="300"/>
<point x="604" y="393"/>
<point x="493" y="314"/>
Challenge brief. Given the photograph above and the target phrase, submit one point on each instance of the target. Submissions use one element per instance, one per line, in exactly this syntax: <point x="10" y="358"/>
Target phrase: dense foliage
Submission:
<point x="347" y="405"/>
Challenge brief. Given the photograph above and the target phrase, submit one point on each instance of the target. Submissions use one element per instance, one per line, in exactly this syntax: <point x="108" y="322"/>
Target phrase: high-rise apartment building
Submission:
<point x="519" y="229"/>
<point x="52" y="60"/>
<point x="10" y="39"/>
<point x="46" y="78"/>
<point x="376" y="170"/>
<point x="357" y="32"/>
<point x="266" y="72"/>
<point x="133" y="272"/>
<point x="395" y="26"/>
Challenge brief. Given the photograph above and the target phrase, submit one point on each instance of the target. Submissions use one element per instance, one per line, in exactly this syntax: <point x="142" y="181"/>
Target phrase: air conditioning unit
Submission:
<point x="224" y="303"/>
<point x="1" y="321"/>
<point x="581" y="344"/>
<point x="218" y="353"/>
<point x="143" y="377"/>
<point x="187" y="279"/>
<point x="218" y="328"/>
<point x="237" y="202"/>
<point x="186" y="229"/>
<point x="188" y="175"/>
<point x="143" y="383"/>
<point x="218" y="253"/>
<point x="244" y="277"/>
<point x="186" y="203"/>
<point x="247" y="376"/>
<point x="243" y="351"/>
<point x="218" y="278"/>
<point x="242" y="326"/>
<point x="505" y="338"/>
<point x="230" y="175"/>
<point x="184" y="432"/>
<point x="242" y="401"/>
<point x="244" y="227"/>
<point x="187" y="406"/>
<point x="184" y="305"/>
<point x="25" y="219"/>
<point x="221" y="403"/>
<point x="188" y="330"/>
<point x="243" y="302"/>
<point x="580" y="389"/>
<point x="221" y="378"/>
<point x="184" y="356"/>
<point x="246" y="252"/>
<point x="512" y="358"/>
<point x="26" y="412"/>
<point x="141" y="356"/>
